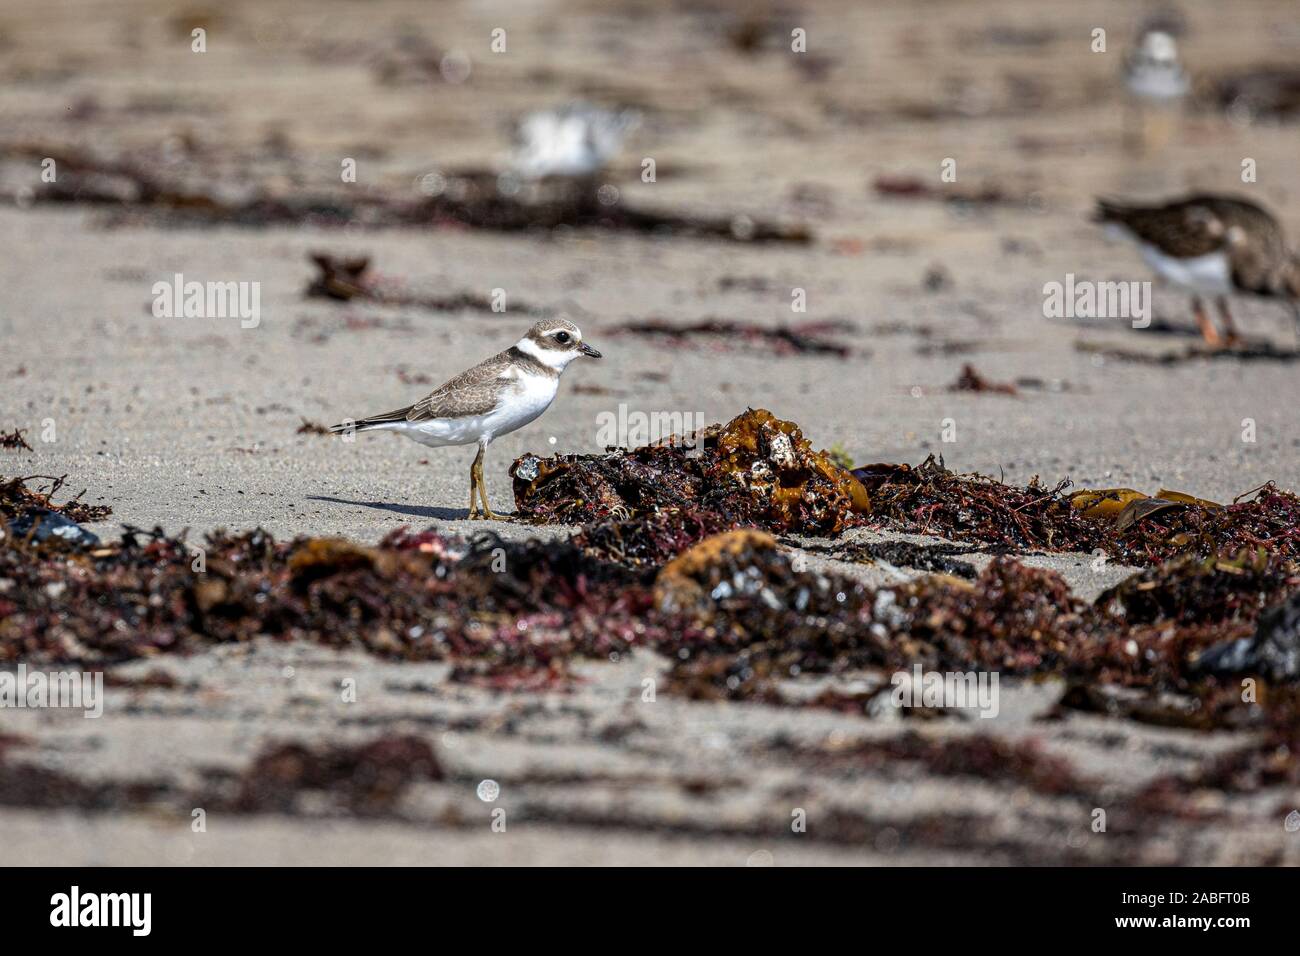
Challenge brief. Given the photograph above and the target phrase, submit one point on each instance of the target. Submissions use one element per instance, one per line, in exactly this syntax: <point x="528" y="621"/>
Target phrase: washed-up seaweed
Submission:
<point x="930" y="499"/>
<point x="1250" y="350"/>
<point x="474" y="200"/>
<point x="1191" y="590"/>
<point x="367" y="779"/>
<point x="14" y="440"/>
<point x="1273" y="651"/>
<point x="649" y="542"/>
<point x="977" y="756"/>
<point x="756" y="470"/>
<point x="914" y="187"/>
<point x="1261" y="93"/>
<point x="731" y="611"/>
<point x="972" y="381"/>
<point x="1172" y="523"/>
<point x="312" y="428"/>
<point x="808" y="338"/>
<point x="345" y="280"/>
<point x="17" y="500"/>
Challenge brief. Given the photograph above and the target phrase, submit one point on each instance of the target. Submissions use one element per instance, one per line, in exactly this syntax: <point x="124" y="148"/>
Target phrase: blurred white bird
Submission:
<point x="573" y="140"/>
<point x="1152" y="71"/>
<point x="1157" y="84"/>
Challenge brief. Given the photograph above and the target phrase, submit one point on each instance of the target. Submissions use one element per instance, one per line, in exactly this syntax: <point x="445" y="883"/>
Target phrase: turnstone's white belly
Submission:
<point x="1210" y="273"/>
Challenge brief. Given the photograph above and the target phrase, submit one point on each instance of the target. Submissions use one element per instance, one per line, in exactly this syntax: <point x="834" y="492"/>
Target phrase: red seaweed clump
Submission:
<point x="757" y="470"/>
<point x="930" y="499"/>
<point x="368" y="779"/>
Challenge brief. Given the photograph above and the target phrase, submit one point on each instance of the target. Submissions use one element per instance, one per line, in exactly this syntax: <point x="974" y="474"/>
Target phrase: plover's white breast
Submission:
<point x="523" y="399"/>
<point x="1157" y="81"/>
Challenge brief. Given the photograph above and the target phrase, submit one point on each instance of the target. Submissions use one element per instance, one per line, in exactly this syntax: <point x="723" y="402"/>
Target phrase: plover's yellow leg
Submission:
<point x="477" y="481"/>
<point x="473" y="489"/>
<point x="473" y="494"/>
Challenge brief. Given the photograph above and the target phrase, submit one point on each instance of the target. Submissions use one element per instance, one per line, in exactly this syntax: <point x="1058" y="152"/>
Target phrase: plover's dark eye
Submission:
<point x="562" y="338"/>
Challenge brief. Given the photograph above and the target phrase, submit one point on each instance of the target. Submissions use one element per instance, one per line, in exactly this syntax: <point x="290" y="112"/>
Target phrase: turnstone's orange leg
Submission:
<point x="1208" y="331"/>
<point x="1229" y="326"/>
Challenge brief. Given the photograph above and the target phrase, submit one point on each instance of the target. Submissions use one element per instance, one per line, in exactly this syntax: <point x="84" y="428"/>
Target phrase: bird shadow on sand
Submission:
<point x="413" y="511"/>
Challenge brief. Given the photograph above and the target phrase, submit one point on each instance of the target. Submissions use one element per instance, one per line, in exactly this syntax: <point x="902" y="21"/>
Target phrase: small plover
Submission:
<point x="1155" y="77"/>
<point x="1211" y="245"/>
<point x="575" y="140"/>
<point x="497" y="396"/>
<point x="1152" y="70"/>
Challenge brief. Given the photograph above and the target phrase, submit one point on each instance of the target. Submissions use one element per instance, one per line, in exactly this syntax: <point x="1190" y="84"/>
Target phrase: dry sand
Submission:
<point x="191" y="423"/>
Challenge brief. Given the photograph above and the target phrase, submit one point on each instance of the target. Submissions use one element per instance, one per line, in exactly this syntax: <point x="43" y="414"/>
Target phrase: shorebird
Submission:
<point x="497" y="396"/>
<point x="1152" y="70"/>
<point x="1211" y="245"/>
<point x="1155" y="77"/>
<point x="575" y="140"/>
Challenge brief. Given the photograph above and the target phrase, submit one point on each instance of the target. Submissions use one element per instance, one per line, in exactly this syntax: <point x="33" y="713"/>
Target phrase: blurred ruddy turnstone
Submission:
<point x="497" y="396"/>
<point x="1211" y="245"/>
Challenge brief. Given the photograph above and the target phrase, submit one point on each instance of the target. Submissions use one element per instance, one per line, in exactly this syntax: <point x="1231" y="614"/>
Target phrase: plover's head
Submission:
<point x="555" y="342"/>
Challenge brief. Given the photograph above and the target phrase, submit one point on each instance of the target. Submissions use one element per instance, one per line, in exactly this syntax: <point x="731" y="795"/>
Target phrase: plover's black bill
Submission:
<point x="586" y="349"/>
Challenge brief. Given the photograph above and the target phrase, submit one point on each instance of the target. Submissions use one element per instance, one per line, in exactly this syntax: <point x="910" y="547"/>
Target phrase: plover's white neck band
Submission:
<point x="548" y="357"/>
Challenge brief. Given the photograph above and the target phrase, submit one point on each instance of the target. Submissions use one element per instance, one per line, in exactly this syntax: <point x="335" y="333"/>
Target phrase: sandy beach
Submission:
<point x="193" y="423"/>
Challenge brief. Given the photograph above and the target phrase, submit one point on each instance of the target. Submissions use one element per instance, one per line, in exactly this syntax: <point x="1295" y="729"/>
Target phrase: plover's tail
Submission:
<point x="387" y="420"/>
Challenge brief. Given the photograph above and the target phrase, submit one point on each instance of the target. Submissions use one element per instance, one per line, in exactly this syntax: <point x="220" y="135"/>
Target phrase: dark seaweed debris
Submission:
<point x="731" y="611"/>
<point x="930" y="499"/>
<point x="346" y="280"/>
<point x="1261" y="93"/>
<point x="972" y="381"/>
<point x="810" y="338"/>
<point x="1249" y="350"/>
<point x="978" y="756"/>
<point x="472" y="199"/>
<point x="14" y="440"/>
<point x="368" y="779"/>
<point x="17" y="500"/>
<point x="756" y="470"/>
<point x="1273" y="651"/>
<point x="914" y="187"/>
<point x="312" y="428"/>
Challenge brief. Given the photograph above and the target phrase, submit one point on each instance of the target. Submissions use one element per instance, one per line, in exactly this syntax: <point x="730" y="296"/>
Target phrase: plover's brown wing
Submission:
<point x="476" y="391"/>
